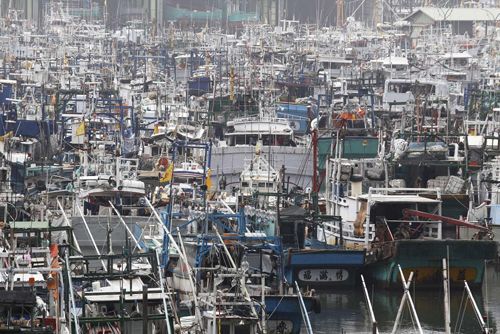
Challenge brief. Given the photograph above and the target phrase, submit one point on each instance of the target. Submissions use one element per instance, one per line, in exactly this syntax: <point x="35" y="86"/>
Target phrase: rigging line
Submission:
<point x="463" y="314"/>
<point x="269" y="317"/>
<point x="303" y="164"/>
<point x="411" y="313"/>
<point x="460" y="202"/>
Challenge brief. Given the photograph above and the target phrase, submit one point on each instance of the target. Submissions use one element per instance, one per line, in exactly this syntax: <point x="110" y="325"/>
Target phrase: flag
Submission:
<point x="81" y="129"/>
<point x="175" y="131"/>
<point x="54" y="254"/>
<point x="54" y="251"/>
<point x="168" y="173"/>
<point x="209" y="181"/>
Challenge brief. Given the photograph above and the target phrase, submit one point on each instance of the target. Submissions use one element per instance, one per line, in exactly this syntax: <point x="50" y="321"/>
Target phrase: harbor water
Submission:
<point x="346" y="311"/>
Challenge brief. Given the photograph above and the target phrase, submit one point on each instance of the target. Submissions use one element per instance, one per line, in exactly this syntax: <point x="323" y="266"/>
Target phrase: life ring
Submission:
<point x="163" y="162"/>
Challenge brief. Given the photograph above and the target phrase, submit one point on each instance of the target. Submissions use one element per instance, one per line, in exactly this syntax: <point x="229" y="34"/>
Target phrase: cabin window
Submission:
<point x="242" y="329"/>
<point x="239" y="140"/>
<point x="244" y="184"/>
<point x="225" y="329"/>
<point x="401" y="87"/>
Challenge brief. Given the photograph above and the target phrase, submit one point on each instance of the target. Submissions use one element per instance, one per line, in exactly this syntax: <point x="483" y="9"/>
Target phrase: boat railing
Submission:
<point x="404" y="191"/>
<point x="302" y="80"/>
<point x="129" y="164"/>
<point x="264" y="119"/>
<point x="347" y="229"/>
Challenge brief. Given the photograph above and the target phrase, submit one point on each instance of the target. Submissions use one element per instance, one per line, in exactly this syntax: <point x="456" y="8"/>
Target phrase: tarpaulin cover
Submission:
<point x="17" y="298"/>
<point x="27" y="128"/>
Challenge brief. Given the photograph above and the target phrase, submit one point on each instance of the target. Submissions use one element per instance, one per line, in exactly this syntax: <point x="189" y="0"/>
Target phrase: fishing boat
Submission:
<point x="29" y="265"/>
<point x="318" y="265"/>
<point x="276" y="142"/>
<point x="249" y="276"/>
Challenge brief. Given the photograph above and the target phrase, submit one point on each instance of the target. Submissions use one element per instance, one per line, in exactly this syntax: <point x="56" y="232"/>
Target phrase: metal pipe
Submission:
<point x="370" y="308"/>
<point x="163" y="292"/>
<point x="263" y="301"/>
<point x="304" y="310"/>
<point x="73" y="304"/>
<point x="28" y="271"/>
<point x="401" y="306"/>
<point x="476" y="309"/>
<point x="367" y="218"/>
<point x="455" y="154"/>
<point x="447" y="316"/>
<point x="145" y="307"/>
<point x="410" y="300"/>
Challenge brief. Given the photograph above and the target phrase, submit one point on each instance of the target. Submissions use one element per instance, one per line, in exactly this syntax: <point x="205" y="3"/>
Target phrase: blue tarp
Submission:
<point x="6" y="93"/>
<point x="27" y="128"/>
<point x="297" y="115"/>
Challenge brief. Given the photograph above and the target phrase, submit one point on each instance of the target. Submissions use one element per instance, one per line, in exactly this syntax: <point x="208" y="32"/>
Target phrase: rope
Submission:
<point x="463" y="314"/>
<point x="304" y="163"/>
<point x="462" y="204"/>
<point x="275" y="307"/>
<point x="411" y="314"/>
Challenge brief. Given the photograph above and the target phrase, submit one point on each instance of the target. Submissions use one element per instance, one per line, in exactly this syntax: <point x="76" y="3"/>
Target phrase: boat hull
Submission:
<point x="324" y="267"/>
<point x="284" y="312"/>
<point x="467" y="260"/>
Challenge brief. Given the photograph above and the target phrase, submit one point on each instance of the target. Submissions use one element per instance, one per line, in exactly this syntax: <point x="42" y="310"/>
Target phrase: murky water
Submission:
<point x="345" y="311"/>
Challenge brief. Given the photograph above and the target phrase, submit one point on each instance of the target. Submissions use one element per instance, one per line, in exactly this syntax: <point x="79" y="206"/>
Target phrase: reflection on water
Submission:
<point x="345" y="311"/>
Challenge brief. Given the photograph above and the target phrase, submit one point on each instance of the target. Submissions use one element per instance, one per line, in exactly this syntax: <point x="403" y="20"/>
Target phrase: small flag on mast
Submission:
<point x="168" y="173"/>
<point x="80" y="131"/>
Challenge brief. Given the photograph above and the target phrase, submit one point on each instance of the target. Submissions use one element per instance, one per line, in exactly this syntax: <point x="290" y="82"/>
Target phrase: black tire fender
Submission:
<point x="112" y="181"/>
<point x="316" y="304"/>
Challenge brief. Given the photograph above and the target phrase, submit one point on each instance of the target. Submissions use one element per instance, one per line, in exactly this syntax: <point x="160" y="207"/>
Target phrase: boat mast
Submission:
<point x="315" y="156"/>
<point x="446" y="282"/>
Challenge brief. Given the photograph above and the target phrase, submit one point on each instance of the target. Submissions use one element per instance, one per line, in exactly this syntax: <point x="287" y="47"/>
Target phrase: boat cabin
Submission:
<point x="332" y="66"/>
<point x="405" y="90"/>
